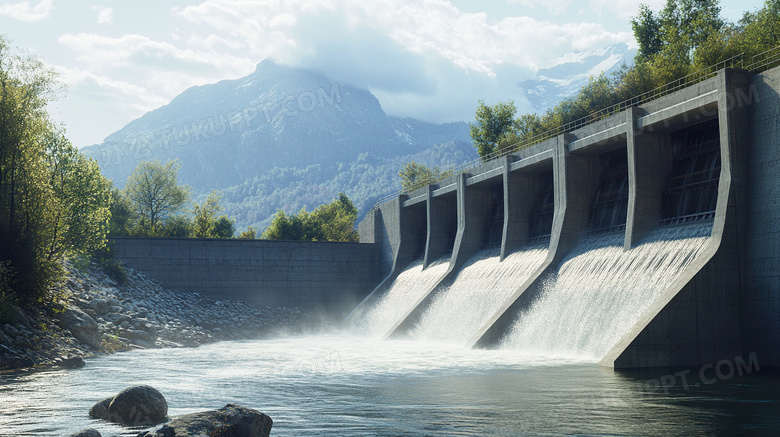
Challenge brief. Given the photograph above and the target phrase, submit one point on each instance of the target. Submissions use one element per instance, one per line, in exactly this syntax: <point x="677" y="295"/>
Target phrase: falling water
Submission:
<point x="600" y="291"/>
<point x="401" y="297"/>
<point x="477" y="293"/>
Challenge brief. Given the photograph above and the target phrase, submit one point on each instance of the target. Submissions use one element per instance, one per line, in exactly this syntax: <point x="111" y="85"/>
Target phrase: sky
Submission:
<point x="427" y="59"/>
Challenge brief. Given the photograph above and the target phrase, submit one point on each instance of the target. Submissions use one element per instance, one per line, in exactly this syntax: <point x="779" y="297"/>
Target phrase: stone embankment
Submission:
<point x="97" y="315"/>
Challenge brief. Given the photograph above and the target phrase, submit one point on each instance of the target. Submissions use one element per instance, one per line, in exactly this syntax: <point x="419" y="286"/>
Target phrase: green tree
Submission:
<point x="206" y="216"/>
<point x="414" y="176"/>
<point x="27" y="200"/>
<point x="53" y="200"/>
<point x="224" y="227"/>
<point x="647" y="32"/>
<point x="291" y="227"/>
<point x="123" y="217"/>
<point x="336" y="220"/>
<point x="493" y="123"/>
<point x="81" y="210"/>
<point x="677" y="30"/>
<point x="156" y="194"/>
<point x="176" y="226"/>
<point x="249" y="234"/>
<point x="332" y="222"/>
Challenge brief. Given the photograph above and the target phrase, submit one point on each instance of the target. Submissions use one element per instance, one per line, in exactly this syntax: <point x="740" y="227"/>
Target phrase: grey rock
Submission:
<point x="81" y="325"/>
<point x="100" y="409"/>
<point x="4" y="340"/>
<point x="100" y="306"/>
<point x="70" y="362"/>
<point x="139" y="405"/>
<point x="165" y="431"/>
<point x="229" y="421"/>
<point x="89" y="432"/>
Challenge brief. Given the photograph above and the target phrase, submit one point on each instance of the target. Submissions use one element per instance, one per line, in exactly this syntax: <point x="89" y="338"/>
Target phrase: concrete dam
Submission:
<point x="649" y="238"/>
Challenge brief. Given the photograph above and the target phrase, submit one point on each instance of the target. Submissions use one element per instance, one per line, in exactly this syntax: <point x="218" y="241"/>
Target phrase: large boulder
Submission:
<point x="229" y="421"/>
<point x="100" y="306"/>
<point x="81" y="325"/>
<point x="140" y="405"/>
<point x="100" y="409"/>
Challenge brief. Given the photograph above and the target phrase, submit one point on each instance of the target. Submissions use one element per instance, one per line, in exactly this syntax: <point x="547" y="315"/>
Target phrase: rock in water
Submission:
<point x="100" y="409"/>
<point x="139" y="405"/>
<point x="70" y="362"/>
<point x="229" y="421"/>
<point x="82" y="326"/>
<point x="89" y="432"/>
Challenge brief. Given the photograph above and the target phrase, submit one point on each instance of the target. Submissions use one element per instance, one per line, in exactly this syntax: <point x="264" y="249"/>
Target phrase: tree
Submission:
<point x="83" y="198"/>
<point x="336" y="220"/>
<point x="646" y="27"/>
<point x="224" y="227"/>
<point x="677" y="30"/>
<point x="414" y="176"/>
<point x="493" y="123"/>
<point x="53" y="200"/>
<point x="206" y="216"/>
<point x="154" y="190"/>
<point x="177" y="226"/>
<point x="123" y="217"/>
<point x="249" y="234"/>
<point x="332" y="222"/>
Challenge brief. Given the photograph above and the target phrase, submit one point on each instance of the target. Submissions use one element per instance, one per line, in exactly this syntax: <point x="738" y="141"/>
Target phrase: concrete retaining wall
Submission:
<point x="315" y="275"/>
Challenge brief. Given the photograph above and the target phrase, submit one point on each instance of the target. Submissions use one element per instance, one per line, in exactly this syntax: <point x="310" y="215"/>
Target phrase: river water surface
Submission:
<point x="344" y="385"/>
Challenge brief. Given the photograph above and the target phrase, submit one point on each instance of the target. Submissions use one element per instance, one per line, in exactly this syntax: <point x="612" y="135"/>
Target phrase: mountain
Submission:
<point x="286" y="138"/>
<point x="281" y="138"/>
<point x="565" y="79"/>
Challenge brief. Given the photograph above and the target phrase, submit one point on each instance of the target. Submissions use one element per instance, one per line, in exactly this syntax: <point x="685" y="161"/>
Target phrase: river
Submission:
<point x="344" y="385"/>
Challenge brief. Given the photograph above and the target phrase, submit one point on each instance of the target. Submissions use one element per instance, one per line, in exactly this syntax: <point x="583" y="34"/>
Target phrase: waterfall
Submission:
<point x="479" y="290"/>
<point x="401" y="297"/>
<point x="600" y="291"/>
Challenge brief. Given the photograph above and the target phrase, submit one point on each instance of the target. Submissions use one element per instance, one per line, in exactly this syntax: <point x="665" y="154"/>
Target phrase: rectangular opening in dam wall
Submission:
<point x="610" y="207"/>
<point x="692" y="191"/>
<point x="443" y="227"/>
<point x="494" y="227"/>
<point x="543" y="211"/>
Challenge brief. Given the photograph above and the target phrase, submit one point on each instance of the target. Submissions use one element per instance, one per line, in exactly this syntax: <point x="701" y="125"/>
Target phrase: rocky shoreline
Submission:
<point x="96" y="315"/>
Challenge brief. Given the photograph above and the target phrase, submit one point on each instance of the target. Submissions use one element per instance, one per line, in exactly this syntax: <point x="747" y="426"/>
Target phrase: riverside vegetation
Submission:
<point x="57" y="211"/>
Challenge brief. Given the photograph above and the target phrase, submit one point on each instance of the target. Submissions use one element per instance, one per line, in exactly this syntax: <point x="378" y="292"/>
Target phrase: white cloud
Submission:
<point x="623" y="10"/>
<point x="557" y="7"/>
<point x="24" y="12"/>
<point x="429" y="59"/>
<point x="105" y="15"/>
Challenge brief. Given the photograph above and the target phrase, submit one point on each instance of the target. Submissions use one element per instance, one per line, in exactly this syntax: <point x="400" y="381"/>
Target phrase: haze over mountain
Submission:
<point x="287" y="138"/>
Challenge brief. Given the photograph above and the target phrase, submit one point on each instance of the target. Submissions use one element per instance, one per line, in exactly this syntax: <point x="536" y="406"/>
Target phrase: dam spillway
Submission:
<point x="706" y="153"/>
<point x="460" y="309"/>
<point x="402" y="295"/>
<point x="600" y="291"/>
<point x="645" y="214"/>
